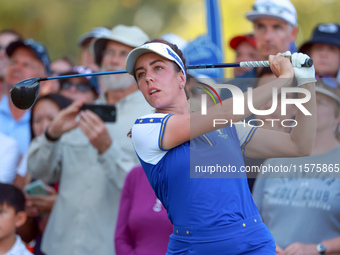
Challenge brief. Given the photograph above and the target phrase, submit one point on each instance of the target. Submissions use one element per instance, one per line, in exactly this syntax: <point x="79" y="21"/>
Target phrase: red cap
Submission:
<point x="237" y="40"/>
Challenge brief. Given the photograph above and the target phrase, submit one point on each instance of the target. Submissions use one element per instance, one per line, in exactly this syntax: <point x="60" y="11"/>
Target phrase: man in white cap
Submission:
<point x="275" y="29"/>
<point x="275" y="26"/>
<point x="90" y="159"/>
<point x="110" y="52"/>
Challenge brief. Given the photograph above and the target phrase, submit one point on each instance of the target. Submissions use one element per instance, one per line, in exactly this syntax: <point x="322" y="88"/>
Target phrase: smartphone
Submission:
<point x="36" y="188"/>
<point x="106" y="112"/>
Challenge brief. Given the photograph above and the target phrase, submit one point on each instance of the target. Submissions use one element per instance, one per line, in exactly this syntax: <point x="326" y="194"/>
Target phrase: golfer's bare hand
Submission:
<point x="301" y="249"/>
<point x="38" y="204"/>
<point x="281" y="66"/>
<point x="94" y="128"/>
<point x="65" y="120"/>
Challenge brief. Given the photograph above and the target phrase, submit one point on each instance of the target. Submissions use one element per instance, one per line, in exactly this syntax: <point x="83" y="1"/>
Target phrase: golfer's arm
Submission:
<point x="299" y="142"/>
<point x="183" y="127"/>
<point x="303" y="134"/>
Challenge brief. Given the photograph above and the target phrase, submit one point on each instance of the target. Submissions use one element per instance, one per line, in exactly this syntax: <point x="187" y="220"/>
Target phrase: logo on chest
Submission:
<point x="222" y="134"/>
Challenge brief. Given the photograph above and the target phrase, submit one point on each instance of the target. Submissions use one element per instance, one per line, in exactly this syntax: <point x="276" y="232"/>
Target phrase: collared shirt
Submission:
<point x="18" y="248"/>
<point x="17" y="129"/>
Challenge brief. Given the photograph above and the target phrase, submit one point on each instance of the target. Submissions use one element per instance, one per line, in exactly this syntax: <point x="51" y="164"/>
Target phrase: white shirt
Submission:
<point x="22" y="168"/>
<point x="18" y="248"/>
<point x="9" y="158"/>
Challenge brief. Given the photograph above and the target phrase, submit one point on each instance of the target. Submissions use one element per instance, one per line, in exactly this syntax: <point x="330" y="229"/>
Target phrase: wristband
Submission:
<point x="302" y="81"/>
<point x="50" y="138"/>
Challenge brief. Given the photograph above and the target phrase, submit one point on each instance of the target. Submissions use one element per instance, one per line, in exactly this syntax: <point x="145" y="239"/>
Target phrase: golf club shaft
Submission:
<point x="82" y="75"/>
<point x="308" y="63"/>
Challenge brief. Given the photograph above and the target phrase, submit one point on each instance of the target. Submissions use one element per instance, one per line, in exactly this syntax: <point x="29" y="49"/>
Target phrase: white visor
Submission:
<point x="155" y="47"/>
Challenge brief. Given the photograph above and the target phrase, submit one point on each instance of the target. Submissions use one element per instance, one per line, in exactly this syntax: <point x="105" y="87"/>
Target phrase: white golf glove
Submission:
<point x="303" y="75"/>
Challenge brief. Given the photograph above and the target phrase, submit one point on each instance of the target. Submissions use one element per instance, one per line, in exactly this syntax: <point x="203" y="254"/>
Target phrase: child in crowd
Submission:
<point x="12" y="216"/>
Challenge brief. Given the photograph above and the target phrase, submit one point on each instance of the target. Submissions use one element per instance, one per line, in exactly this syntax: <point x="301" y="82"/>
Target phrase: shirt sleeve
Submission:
<point x="22" y="168"/>
<point x="44" y="159"/>
<point x="9" y="158"/>
<point x="147" y="137"/>
<point x="244" y="132"/>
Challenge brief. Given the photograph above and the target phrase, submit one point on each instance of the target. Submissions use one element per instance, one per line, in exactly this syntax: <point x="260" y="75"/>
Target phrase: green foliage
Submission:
<point x="58" y="24"/>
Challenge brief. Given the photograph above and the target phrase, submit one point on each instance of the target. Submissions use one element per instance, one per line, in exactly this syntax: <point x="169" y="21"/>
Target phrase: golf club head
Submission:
<point x="24" y="93"/>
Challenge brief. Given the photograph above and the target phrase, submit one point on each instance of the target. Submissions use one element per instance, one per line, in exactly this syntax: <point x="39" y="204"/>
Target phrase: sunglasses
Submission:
<point x="275" y="9"/>
<point x="79" y="86"/>
<point x="328" y="81"/>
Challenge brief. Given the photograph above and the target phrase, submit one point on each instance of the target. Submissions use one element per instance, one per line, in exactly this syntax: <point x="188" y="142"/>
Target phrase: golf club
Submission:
<point x="24" y="93"/>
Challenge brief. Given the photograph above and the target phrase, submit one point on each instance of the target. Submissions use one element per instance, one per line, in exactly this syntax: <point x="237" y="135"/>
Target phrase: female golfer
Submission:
<point x="210" y="215"/>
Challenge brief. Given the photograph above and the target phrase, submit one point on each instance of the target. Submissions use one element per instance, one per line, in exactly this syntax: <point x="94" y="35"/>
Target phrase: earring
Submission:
<point x="182" y="85"/>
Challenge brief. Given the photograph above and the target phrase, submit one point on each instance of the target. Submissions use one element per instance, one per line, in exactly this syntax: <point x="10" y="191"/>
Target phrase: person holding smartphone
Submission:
<point x="90" y="158"/>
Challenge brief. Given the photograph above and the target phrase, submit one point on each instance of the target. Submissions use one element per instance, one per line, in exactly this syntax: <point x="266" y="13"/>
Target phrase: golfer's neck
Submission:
<point x="176" y="108"/>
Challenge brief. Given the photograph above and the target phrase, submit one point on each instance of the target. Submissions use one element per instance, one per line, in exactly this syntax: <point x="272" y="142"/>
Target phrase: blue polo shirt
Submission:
<point x="196" y="200"/>
<point x="17" y="129"/>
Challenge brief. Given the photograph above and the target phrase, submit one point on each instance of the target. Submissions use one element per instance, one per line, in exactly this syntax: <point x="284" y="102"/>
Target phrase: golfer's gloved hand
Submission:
<point x="303" y="75"/>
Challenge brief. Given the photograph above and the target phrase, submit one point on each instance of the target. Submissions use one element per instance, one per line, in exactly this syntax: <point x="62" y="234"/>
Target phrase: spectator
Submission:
<point x="43" y="111"/>
<point x="83" y="89"/>
<point x="324" y="49"/>
<point x="275" y="27"/>
<point x="12" y="207"/>
<point x="6" y="37"/>
<point x="61" y="65"/>
<point x="245" y="49"/>
<point x="142" y="226"/>
<point x="300" y="208"/>
<point x="27" y="59"/>
<point x="84" y="42"/>
<point x="57" y="66"/>
<point x="90" y="159"/>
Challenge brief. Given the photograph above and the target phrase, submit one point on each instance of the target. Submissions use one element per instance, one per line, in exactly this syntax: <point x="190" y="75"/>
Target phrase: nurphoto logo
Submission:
<point x="239" y="103"/>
